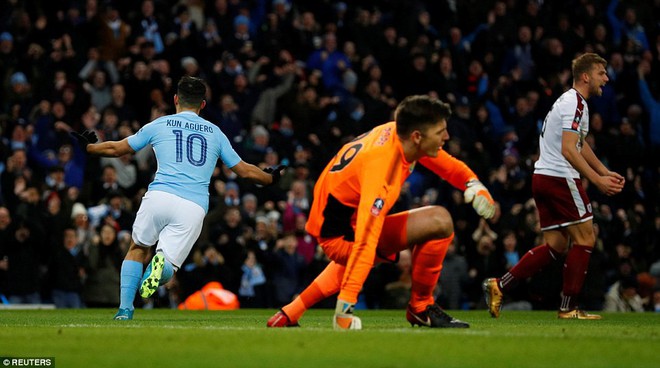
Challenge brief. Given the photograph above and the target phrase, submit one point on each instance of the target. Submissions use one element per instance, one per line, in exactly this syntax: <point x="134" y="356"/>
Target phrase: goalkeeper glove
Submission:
<point x="275" y="172"/>
<point x="480" y="197"/>
<point x="85" y="138"/>
<point x="344" y="318"/>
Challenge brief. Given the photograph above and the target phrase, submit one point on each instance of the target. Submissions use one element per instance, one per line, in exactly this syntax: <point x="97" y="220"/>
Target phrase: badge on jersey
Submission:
<point x="378" y="205"/>
<point x="578" y="113"/>
<point x="576" y="122"/>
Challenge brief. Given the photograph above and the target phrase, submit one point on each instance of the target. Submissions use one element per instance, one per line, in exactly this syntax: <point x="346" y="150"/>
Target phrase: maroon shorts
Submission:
<point x="561" y="201"/>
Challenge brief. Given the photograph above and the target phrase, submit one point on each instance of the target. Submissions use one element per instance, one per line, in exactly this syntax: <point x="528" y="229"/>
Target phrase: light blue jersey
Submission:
<point x="187" y="148"/>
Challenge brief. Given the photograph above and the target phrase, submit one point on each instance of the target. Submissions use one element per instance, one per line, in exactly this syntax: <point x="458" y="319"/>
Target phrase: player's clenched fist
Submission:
<point x="276" y="172"/>
<point x="86" y="137"/>
<point x="477" y="194"/>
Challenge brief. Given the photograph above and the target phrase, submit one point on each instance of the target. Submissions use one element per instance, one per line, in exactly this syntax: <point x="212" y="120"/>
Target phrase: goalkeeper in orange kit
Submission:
<point x="349" y="215"/>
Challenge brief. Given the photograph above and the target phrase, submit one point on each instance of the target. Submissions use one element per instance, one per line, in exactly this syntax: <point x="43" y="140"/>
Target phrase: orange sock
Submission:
<point x="326" y="283"/>
<point x="427" y="262"/>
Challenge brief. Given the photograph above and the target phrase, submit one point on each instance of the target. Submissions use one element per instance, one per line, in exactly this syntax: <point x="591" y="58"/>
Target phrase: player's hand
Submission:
<point x="85" y="138"/>
<point x="344" y="318"/>
<point x="610" y="184"/>
<point x="617" y="177"/>
<point x="275" y="172"/>
<point x="481" y="200"/>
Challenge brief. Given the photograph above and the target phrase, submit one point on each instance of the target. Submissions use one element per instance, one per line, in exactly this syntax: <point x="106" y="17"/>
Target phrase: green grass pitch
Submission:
<point x="172" y="338"/>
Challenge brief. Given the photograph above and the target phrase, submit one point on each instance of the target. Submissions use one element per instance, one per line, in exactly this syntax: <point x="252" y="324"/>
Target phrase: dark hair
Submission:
<point x="419" y="110"/>
<point x="191" y="91"/>
<point x="628" y="281"/>
<point x="584" y="63"/>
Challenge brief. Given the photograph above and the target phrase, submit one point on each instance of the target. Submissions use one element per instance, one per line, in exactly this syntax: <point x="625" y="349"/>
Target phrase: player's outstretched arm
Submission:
<point x="88" y="142"/>
<point x="458" y="174"/>
<point x="267" y="176"/>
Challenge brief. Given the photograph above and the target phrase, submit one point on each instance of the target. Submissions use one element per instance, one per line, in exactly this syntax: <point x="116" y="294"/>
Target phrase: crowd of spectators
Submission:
<point x="289" y="82"/>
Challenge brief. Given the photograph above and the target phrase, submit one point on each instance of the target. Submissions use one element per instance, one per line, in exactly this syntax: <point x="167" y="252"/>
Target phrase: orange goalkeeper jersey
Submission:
<point x="362" y="182"/>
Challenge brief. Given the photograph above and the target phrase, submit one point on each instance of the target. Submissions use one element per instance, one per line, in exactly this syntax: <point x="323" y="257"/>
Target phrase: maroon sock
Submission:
<point x="532" y="262"/>
<point x="575" y="270"/>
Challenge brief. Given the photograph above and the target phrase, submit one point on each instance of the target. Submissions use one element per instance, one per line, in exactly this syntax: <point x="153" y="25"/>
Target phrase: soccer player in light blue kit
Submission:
<point x="187" y="148"/>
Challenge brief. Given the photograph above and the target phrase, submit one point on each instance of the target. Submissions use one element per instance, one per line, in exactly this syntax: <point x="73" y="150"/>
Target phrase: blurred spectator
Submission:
<point x="249" y="208"/>
<point x="116" y="211"/>
<point x="56" y="216"/>
<point x="69" y="157"/>
<point x="66" y="271"/>
<point x="487" y="263"/>
<point x="14" y="178"/>
<point x="376" y="105"/>
<point x="306" y="35"/>
<point x="148" y="25"/>
<point x="256" y="146"/>
<point x="298" y="202"/>
<point x="656" y="300"/>
<point x="99" y="89"/>
<point x="510" y="181"/>
<point x="126" y="173"/>
<point x="274" y="87"/>
<point x="19" y="100"/>
<point x="113" y="33"/>
<point x="80" y="221"/>
<point x="510" y="249"/>
<point x="225" y="115"/>
<point x="626" y="29"/>
<point x="24" y="271"/>
<point x="244" y="97"/>
<point x="228" y="238"/>
<point x="104" y="185"/>
<point x="288" y="269"/>
<point x="206" y="265"/>
<point x="252" y="293"/>
<point x="186" y="30"/>
<point x="397" y="293"/>
<point x="519" y="59"/>
<point x="232" y="194"/>
<point x="8" y="62"/>
<point x="652" y="106"/>
<point x="417" y="77"/>
<point x="221" y="13"/>
<point x="211" y="41"/>
<point x="453" y="280"/>
<point x="45" y="116"/>
<point x="125" y="112"/>
<point x="109" y="125"/>
<point x="623" y="297"/>
<point x="217" y="206"/>
<point x="138" y="87"/>
<point x="6" y="236"/>
<point x="102" y="268"/>
<point x="331" y="62"/>
<point x="240" y="41"/>
<point x="307" y="245"/>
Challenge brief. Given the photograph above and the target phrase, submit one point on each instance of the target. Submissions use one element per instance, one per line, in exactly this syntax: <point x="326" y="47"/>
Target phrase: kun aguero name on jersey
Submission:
<point x="189" y="126"/>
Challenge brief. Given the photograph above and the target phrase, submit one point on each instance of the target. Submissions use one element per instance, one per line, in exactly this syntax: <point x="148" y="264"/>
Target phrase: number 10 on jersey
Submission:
<point x="195" y="145"/>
